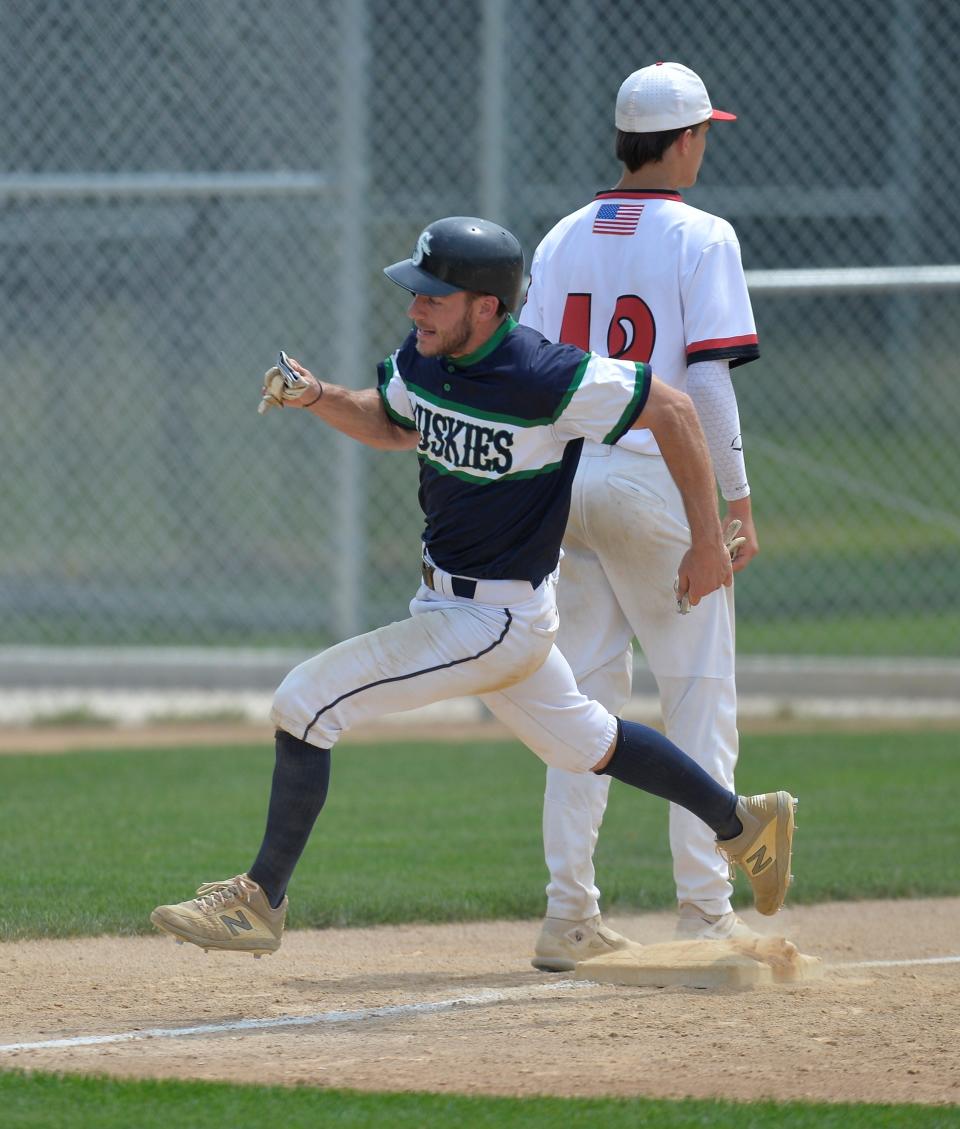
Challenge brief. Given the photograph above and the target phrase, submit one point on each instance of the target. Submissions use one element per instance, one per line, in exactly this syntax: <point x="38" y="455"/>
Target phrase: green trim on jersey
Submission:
<point x="407" y="424"/>
<point x="508" y="326"/>
<point x="497" y="417"/>
<point x="549" y="468"/>
<point x="472" y="412"/>
<point x="622" y="425"/>
<point x="574" y="385"/>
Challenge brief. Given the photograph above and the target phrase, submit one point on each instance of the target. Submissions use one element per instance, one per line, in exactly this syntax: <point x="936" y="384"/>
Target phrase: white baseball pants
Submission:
<point x="498" y="646"/>
<point x="625" y="537"/>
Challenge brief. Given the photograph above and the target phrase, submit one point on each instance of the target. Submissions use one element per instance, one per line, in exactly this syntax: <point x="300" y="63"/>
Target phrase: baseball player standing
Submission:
<point x="640" y="275"/>
<point x="497" y="415"/>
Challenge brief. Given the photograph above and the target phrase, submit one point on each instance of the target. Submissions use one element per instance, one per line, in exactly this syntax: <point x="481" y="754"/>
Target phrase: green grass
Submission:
<point x="435" y="833"/>
<point x="39" y="1101"/>
<point x="931" y="634"/>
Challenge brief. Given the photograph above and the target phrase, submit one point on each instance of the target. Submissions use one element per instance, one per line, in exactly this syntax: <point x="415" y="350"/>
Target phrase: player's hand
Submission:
<point x="280" y="391"/>
<point x="743" y="553"/>
<point x="703" y="570"/>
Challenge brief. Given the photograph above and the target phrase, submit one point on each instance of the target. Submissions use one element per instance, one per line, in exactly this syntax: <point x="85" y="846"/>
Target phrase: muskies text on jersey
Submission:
<point x="460" y="443"/>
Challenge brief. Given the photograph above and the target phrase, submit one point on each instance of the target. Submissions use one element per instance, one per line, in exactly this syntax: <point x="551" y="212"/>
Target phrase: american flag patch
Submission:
<point x="617" y="219"/>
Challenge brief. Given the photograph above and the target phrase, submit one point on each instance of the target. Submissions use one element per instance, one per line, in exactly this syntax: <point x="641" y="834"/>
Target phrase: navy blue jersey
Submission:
<point x="500" y="436"/>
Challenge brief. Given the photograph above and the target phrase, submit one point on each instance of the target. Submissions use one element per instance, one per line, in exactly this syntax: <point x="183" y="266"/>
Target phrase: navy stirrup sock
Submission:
<point x="301" y="776"/>
<point x="648" y="760"/>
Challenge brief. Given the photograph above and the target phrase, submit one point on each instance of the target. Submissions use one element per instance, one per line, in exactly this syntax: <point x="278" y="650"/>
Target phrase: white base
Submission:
<point x="704" y="964"/>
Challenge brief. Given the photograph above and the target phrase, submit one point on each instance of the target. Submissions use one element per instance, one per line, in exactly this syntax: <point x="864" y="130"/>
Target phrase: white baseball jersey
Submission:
<point x="687" y="299"/>
<point x="640" y="275"/>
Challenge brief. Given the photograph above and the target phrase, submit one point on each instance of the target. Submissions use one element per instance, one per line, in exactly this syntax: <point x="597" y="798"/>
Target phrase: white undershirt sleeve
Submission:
<point x="711" y="389"/>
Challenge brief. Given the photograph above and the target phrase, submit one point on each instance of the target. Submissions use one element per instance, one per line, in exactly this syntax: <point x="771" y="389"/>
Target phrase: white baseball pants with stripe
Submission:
<point x="451" y="647"/>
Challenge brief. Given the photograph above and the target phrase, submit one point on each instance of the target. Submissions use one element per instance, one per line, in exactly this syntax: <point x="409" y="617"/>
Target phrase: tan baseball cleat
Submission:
<point x="562" y="943"/>
<point x="762" y="850"/>
<point x="695" y="925"/>
<point x="234" y="915"/>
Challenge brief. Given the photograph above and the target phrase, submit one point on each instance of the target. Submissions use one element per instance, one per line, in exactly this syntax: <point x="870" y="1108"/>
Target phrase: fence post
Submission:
<point x="353" y="310"/>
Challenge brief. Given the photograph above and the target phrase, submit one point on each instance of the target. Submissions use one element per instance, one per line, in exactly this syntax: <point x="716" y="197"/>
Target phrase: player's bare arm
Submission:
<point x="358" y="413"/>
<point x="672" y="417"/>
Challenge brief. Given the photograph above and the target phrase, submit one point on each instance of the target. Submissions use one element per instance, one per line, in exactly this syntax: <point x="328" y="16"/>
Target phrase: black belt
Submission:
<point x="462" y="586"/>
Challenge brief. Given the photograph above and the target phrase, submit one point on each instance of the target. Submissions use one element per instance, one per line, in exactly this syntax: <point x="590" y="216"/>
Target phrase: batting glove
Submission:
<point x="732" y="543"/>
<point x="731" y="540"/>
<point x="281" y="383"/>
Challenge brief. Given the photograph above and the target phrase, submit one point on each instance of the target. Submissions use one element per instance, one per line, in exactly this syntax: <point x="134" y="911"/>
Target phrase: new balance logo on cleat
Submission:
<point x="235" y="924"/>
<point x="761" y="863"/>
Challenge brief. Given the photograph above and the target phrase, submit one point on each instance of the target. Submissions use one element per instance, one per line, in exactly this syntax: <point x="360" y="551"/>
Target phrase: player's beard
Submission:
<point x="452" y="343"/>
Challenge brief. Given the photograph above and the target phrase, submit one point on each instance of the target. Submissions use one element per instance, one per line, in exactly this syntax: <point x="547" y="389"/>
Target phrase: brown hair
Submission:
<point x="502" y="308"/>
<point x="638" y="149"/>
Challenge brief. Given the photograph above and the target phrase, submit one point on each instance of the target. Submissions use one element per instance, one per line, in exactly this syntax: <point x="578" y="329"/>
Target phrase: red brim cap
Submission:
<point x="723" y="116"/>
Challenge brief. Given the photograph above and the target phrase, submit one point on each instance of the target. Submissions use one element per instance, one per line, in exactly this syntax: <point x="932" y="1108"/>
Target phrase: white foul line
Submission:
<point x="485" y="996"/>
<point x="890" y="963"/>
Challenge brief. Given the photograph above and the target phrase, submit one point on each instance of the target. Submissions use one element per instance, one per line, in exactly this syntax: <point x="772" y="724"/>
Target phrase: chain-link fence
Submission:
<point x="188" y="186"/>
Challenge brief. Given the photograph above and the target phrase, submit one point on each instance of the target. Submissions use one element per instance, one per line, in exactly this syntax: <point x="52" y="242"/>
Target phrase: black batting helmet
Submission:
<point x="463" y="253"/>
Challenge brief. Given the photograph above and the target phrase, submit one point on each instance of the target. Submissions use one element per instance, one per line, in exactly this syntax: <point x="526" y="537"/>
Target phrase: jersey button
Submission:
<point x="446" y="388"/>
<point x="450" y="368"/>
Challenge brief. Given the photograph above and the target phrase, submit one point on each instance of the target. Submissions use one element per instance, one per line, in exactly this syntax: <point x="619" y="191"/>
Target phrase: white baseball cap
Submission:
<point x="664" y="96"/>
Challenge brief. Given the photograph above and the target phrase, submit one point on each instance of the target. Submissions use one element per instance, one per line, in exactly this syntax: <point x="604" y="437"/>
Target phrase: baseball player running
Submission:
<point x="640" y="275"/>
<point x="497" y="416"/>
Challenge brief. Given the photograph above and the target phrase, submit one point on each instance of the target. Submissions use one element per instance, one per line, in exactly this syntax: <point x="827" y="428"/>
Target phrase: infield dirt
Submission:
<point x="883" y="1033"/>
<point x="888" y="1033"/>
